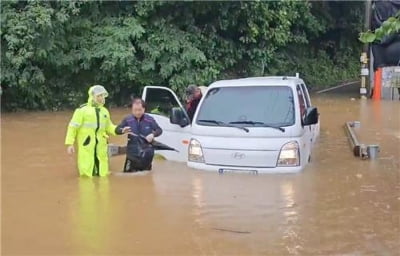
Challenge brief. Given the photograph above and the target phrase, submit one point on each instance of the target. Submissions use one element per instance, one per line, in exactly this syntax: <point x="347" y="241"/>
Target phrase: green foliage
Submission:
<point x="389" y="27"/>
<point x="330" y="71"/>
<point x="52" y="51"/>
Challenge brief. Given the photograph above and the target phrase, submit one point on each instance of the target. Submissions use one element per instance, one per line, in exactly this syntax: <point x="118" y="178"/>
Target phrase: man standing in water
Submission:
<point x="90" y="126"/>
<point x="140" y="153"/>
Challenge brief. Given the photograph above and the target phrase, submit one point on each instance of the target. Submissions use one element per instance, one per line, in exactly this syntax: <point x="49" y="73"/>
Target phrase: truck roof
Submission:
<point x="258" y="81"/>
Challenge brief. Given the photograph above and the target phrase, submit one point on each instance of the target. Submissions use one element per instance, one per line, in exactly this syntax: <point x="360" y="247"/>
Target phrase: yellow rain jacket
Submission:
<point x="90" y="126"/>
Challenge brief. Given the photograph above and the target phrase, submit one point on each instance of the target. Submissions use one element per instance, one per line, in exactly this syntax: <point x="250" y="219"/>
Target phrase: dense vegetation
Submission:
<point x="52" y="51"/>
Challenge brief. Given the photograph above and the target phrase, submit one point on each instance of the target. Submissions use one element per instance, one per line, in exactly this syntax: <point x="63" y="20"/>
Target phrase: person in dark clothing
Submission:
<point x="139" y="153"/>
<point x="193" y="97"/>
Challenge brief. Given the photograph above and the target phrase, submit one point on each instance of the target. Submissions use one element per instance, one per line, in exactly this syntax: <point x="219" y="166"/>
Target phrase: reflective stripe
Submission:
<point x="89" y="125"/>
<point x="93" y="125"/>
<point x="73" y="124"/>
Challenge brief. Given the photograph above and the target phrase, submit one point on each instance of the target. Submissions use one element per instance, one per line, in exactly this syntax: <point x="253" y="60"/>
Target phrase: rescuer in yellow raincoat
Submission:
<point x="90" y="126"/>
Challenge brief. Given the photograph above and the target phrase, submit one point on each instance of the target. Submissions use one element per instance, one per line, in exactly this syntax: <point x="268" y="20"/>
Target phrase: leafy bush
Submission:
<point x="52" y="51"/>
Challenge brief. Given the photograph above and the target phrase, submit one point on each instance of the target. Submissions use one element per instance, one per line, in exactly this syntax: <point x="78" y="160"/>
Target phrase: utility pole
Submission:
<point x="367" y="20"/>
<point x="364" y="55"/>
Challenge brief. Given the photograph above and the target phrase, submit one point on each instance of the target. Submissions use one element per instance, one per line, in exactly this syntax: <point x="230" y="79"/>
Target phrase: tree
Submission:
<point x="52" y="51"/>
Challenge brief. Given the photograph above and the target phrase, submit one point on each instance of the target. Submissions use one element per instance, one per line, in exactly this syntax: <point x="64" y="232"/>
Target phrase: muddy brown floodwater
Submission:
<point x="339" y="205"/>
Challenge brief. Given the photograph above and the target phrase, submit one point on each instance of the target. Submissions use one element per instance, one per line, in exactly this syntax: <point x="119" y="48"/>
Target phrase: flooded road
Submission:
<point x="340" y="205"/>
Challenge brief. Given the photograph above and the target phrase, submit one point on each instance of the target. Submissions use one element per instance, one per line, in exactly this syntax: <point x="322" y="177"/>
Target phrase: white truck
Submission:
<point x="258" y="124"/>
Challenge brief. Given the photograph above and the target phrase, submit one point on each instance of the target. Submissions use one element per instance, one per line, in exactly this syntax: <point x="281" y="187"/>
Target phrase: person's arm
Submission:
<point x="73" y="126"/>
<point x="157" y="131"/>
<point x="110" y="127"/>
<point x="119" y="129"/>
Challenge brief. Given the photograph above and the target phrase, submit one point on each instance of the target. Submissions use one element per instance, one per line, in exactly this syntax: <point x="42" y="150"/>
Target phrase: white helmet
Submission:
<point x="99" y="89"/>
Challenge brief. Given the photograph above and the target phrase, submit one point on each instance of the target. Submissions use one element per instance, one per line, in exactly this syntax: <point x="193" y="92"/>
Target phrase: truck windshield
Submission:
<point x="249" y="106"/>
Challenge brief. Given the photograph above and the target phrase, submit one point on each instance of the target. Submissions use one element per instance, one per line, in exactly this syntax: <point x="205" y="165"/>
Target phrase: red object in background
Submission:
<point x="377" y="84"/>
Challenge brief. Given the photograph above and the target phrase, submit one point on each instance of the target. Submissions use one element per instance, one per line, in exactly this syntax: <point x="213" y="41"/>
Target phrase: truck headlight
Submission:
<point x="195" y="151"/>
<point x="289" y="155"/>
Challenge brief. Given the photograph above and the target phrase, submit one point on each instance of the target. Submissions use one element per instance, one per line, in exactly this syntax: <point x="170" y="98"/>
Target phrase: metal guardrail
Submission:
<point x="360" y="150"/>
<point x="337" y="87"/>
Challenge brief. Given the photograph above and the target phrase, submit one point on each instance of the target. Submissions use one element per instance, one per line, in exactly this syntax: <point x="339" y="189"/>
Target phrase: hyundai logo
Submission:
<point x="238" y="155"/>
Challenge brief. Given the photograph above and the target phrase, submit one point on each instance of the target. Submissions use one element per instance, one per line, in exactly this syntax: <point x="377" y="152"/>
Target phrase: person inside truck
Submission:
<point x="193" y="97"/>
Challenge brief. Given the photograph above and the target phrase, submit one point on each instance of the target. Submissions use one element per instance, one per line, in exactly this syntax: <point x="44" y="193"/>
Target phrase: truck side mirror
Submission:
<point x="311" y="116"/>
<point x="177" y="116"/>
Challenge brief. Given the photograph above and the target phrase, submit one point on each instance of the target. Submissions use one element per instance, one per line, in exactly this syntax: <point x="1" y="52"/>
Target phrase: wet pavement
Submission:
<point x="339" y="205"/>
